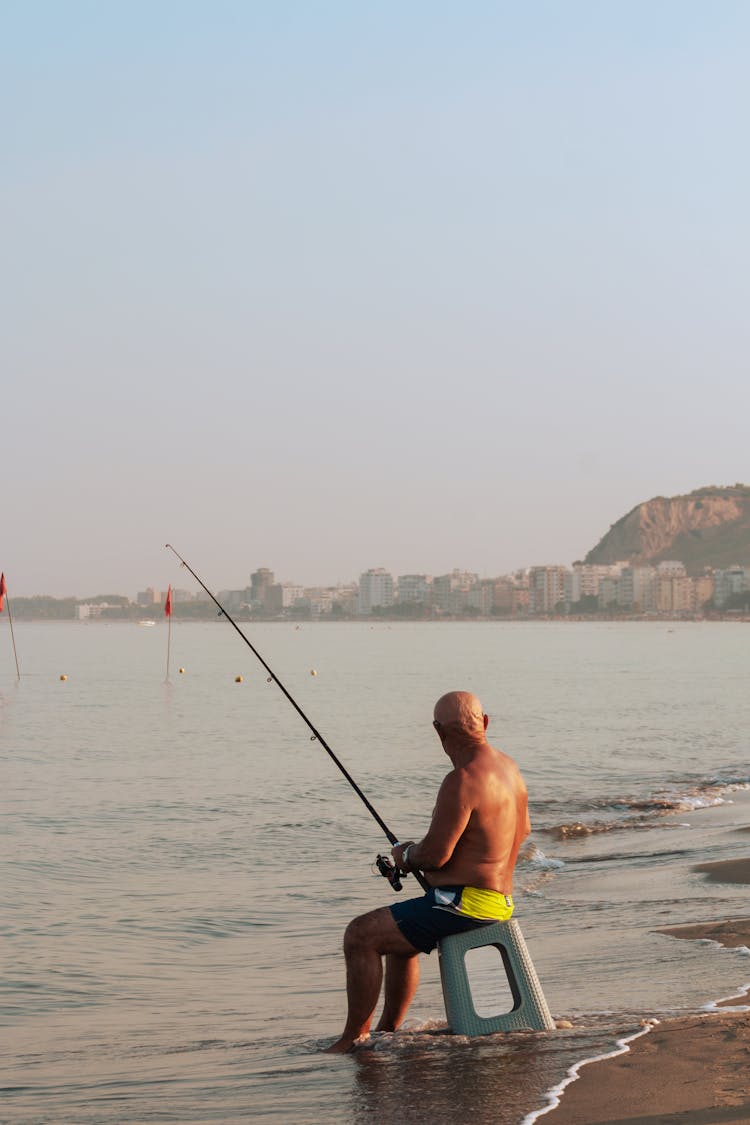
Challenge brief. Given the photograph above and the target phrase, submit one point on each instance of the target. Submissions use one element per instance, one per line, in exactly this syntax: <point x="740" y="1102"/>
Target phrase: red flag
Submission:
<point x="167" y="604"/>
<point x="3" y="590"/>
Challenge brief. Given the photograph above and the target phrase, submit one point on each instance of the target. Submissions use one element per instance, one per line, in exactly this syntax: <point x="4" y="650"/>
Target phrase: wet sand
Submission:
<point x="692" y="1070"/>
<point x="726" y="871"/>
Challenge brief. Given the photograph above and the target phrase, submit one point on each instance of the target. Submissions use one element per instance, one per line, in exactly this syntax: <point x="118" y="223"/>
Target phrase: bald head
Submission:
<point x="461" y="713"/>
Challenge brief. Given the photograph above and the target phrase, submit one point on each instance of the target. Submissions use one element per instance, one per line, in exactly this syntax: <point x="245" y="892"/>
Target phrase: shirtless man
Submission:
<point x="468" y="855"/>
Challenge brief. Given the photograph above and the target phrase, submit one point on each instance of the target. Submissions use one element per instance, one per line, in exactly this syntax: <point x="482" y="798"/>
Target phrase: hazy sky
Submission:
<point x="321" y="286"/>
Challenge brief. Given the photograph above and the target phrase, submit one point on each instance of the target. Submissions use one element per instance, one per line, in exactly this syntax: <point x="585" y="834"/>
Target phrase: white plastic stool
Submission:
<point x="529" y="1009"/>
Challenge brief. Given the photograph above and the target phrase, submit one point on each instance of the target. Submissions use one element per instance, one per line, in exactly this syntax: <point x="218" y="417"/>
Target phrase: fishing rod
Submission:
<point x="385" y="867"/>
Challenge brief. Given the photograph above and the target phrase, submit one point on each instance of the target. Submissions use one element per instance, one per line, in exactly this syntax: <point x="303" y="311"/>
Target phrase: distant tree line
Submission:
<point x="116" y="607"/>
<point x="45" y="608"/>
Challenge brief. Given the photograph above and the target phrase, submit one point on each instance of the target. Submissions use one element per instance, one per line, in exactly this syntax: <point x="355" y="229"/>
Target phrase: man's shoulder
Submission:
<point x="489" y="757"/>
<point x="505" y="760"/>
<point x="501" y="768"/>
<point x="485" y="761"/>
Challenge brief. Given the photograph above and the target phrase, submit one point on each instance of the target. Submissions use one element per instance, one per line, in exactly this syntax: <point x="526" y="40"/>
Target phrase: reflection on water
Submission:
<point x="436" y="1077"/>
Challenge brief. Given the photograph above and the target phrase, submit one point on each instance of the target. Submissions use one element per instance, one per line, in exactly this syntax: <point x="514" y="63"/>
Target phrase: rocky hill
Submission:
<point x="708" y="527"/>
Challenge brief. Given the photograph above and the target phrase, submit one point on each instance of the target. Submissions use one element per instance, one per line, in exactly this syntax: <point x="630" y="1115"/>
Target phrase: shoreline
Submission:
<point x="688" y="1069"/>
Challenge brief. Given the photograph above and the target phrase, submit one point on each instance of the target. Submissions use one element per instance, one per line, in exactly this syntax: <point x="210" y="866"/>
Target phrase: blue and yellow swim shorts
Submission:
<point x="448" y="910"/>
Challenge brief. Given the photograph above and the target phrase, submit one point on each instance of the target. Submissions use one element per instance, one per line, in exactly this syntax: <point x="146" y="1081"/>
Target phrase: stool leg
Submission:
<point x="529" y="1010"/>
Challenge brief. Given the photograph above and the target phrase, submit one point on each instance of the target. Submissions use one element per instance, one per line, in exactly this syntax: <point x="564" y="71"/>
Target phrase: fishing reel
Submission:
<point x="389" y="871"/>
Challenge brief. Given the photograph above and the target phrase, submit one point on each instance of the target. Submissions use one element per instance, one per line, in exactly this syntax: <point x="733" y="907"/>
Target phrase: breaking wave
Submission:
<point x="615" y="814"/>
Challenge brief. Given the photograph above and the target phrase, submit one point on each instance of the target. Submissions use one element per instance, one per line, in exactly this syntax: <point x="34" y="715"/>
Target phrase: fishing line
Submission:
<point x="316" y="735"/>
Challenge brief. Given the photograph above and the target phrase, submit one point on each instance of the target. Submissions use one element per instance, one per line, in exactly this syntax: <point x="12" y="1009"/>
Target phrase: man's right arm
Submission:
<point x="449" y="820"/>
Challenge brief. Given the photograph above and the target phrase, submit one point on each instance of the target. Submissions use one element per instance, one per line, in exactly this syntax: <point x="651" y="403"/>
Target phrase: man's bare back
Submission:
<point x="481" y="814"/>
<point x="485" y="853"/>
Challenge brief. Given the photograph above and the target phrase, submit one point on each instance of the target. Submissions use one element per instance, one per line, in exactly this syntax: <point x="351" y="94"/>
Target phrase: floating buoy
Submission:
<point x="313" y="672"/>
<point x="182" y="671"/>
<point x="238" y="679"/>
<point x="63" y="676"/>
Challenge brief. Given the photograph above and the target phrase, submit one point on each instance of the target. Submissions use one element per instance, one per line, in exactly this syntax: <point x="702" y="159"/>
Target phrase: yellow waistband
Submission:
<point x="477" y="902"/>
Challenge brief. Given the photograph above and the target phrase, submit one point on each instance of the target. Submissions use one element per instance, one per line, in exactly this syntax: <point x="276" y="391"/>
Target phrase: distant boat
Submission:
<point x="146" y="622"/>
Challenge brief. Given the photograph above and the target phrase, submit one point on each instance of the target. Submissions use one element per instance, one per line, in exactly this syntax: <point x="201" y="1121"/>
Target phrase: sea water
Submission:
<point x="179" y="859"/>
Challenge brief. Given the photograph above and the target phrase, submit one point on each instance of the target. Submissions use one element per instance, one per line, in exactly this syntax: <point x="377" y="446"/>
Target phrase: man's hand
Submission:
<point x="398" y="853"/>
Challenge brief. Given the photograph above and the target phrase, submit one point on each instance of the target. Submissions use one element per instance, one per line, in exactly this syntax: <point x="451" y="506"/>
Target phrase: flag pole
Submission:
<point x="168" y="612"/>
<point x="3" y="595"/>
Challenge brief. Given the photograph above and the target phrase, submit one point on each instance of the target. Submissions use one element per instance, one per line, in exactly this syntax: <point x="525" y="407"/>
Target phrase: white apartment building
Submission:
<point x="320" y="599"/>
<point x="281" y="596"/>
<point x="450" y="592"/>
<point x="88" y="612"/>
<point x="674" y="593"/>
<point x="546" y="588"/>
<point x="584" y="579"/>
<point x="290" y="594"/>
<point x="609" y="592"/>
<point x="671" y="568"/>
<point x="482" y="597"/>
<point x="415" y="588"/>
<point x="683" y="595"/>
<point x="375" y="589"/>
<point x="636" y="588"/>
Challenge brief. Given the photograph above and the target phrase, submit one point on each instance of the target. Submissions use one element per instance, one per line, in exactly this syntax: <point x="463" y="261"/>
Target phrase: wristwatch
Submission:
<point x="405" y="857"/>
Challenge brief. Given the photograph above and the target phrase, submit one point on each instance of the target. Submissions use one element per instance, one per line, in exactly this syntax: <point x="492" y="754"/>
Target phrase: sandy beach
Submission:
<point x="693" y="1070"/>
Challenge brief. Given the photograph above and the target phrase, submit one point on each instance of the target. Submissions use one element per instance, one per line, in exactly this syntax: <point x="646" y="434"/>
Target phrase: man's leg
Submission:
<point x="367" y="939"/>
<point x="401" y="980"/>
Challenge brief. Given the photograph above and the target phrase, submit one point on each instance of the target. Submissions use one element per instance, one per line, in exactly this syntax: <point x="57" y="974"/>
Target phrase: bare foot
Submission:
<point x="342" y="1045"/>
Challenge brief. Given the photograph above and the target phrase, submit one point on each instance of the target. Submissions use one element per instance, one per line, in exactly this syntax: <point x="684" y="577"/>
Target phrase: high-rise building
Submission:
<point x="729" y="581"/>
<point x="375" y="589"/>
<point x="261" y="581"/>
<point x="282" y="596"/>
<point x="584" y="579"/>
<point x="414" y="588"/>
<point x="546" y="588"/>
<point x="637" y="588"/>
<point x="502" y="596"/>
<point x="704" y="590"/>
<point x="482" y="597"/>
<point x="450" y="592"/>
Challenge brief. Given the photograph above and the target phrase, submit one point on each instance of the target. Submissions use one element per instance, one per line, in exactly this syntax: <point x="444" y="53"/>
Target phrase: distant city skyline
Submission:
<point x="665" y="586"/>
<point x="339" y="286"/>
<point x="649" y="590"/>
